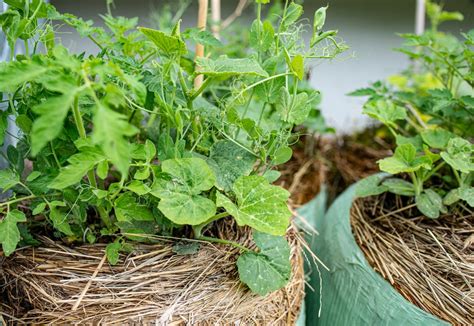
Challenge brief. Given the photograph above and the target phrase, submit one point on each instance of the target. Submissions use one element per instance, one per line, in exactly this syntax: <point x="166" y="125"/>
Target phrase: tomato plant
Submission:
<point x="119" y="145"/>
<point x="429" y="110"/>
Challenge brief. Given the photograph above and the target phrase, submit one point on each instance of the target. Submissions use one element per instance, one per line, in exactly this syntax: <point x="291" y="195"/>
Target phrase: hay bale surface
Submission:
<point x="430" y="262"/>
<point x="152" y="285"/>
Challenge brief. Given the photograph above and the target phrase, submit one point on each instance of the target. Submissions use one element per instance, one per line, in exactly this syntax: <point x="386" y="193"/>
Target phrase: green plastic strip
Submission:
<point x="352" y="292"/>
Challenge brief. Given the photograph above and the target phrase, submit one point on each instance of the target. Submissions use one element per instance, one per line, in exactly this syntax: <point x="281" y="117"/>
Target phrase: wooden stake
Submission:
<point x="216" y="17"/>
<point x="202" y="21"/>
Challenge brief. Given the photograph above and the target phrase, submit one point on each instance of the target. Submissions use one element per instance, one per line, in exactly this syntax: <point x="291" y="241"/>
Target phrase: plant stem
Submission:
<point x="222" y="241"/>
<point x="17" y="200"/>
<point x="198" y="228"/>
<point x="418" y="185"/>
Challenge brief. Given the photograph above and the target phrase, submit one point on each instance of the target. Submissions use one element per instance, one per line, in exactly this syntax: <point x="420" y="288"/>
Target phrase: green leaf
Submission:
<point x="437" y="138"/>
<point x="293" y="13"/>
<point x="33" y="175"/>
<point x="430" y="203"/>
<point x="103" y="169"/>
<point x="261" y="35"/>
<point x="385" y="111"/>
<point x="370" y="186"/>
<point x="459" y="155"/>
<point x="181" y="201"/>
<point x="399" y="187"/>
<point x="39" y="209"/>
<point x="269" y="269"/>
<point x="138" y="187"/>
<point x="49" y="124"/>
<point x="59" y="216"/>
<point x="416" y="141"/>
<point x="293" y="109"/>
<point x="186" y="248"/>
<point x="231" y="162"/>
<point x="467" y="194"/>
<point x="112" y="251"/>
<point x="272" y="175"/>
<point x="259" y="205"/>
<point x="319" y="19"/>
<point x="110" y="130"/>
<point x="3" y="125"/>
<point x="405" y="159"/>
<point x="226" y="67"/>
<point x="15" y="73"/>
<point x="297" y="66"/>
<point x="8" y="179"/>
<point x="167" y="44"/>
<point x="128" y="209"/>
<point x="202" y="37"/>
<point x="451" y="197"/>
<point x="79" y="165"/>
<point x="282" y="155"/>
<point x="9" y="232"/>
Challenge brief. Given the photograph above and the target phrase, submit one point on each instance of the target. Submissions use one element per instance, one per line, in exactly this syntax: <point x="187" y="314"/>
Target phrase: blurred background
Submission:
<point x="368" y="27"/>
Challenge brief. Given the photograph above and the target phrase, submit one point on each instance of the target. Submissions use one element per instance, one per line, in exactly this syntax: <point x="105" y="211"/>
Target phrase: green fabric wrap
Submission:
<point x="352" y="292"/>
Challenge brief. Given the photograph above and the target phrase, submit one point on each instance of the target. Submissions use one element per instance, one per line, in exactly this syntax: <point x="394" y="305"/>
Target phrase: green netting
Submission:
<point x="352" y="292"/>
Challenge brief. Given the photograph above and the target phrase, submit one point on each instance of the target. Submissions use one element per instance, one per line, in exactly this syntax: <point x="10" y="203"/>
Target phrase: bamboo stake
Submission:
<point x="202" y="21"/>
<point x="216" y="17"/>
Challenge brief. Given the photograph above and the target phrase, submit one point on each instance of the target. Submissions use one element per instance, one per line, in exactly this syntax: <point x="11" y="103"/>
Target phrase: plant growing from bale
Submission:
<point x="118" y="146"/>
<point x="429" y="110"/>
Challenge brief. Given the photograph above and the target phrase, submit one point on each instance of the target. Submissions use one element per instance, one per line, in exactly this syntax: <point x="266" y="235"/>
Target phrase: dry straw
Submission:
<point x="430" y="262"/>
<point x="153" y="285"/>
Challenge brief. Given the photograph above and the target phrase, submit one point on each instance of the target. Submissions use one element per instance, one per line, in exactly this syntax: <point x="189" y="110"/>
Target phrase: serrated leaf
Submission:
<point x="405" y="159"/>
<point x="231" y="162"/>
<point x="399" y="187"/>
<point x="8" y="179"/>
<point x="49" y="124"/>
<point x="430" y="203"/>
<point x="226" y="67"/>
<point x="269" y="269"/>
<point x="259" y="205"/>
<point x="79" y="165"/>
<point x="110" y="132"/>
<point x="459" y="155"/>
<point x="293" y="109"/>
<point x="167" y="44"/>
<point x="15" y="73"/>
<point x="370" y="186"/>
<point x="437" y="138"/>
<point x="385" y="111"/>
<point x="181" y="201"/>
<point x="112" y="251"/>
<point x="9" y="232"/>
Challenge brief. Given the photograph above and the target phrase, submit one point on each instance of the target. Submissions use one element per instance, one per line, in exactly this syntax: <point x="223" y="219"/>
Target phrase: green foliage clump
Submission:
<point x="429" y="110"/>
<point x="119" y="146"/>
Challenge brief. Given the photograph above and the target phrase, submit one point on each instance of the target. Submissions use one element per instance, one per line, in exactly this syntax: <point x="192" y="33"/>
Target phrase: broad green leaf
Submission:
<point x="297" y="66"/>
<point x="59" y="215"/>
<point x="269" y="269"/>
<point x="103" y="169"/>
<point x="399" y="187"/>
<point x="437" y="138"/>
<point x="416" y="141"/>
<point x="33" y="175"/>
<point x="272" y="175"/>
<point x="39" y="209"/>
<point x="282" y="155"/>
<point x="138" y="187"/>
<point x="293" y="109"/>
<point x="459" y="155"/>
<point x="467" y="194"/>
<point x="128" y="209"/>
<point x="167" y="44"/>
<point x="8" y="179"/>
<point x="293" y="13"/>
<point x="49" y="124"/>
<point x="259" y="205"/>
<point x="112" y="251"/>
<point x="181" y="201"/>
<point x="451" y="197"/>
<point x="231" y="162"/>
<point x="226" y="67"/>
<point x="202" y="37"/>
<point x="430" y="203"/>
<point x="9" y="232"/>
<point x="79" y="165"/>
<point x="110" y="130"/>
<point x="405" y="159"/>
<point x="150" y="150"/>
<point x="261" y="35"/>
<point x="15" y="73"/>
<point x="370" y="186"/>
<point x="385" y="111"/>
